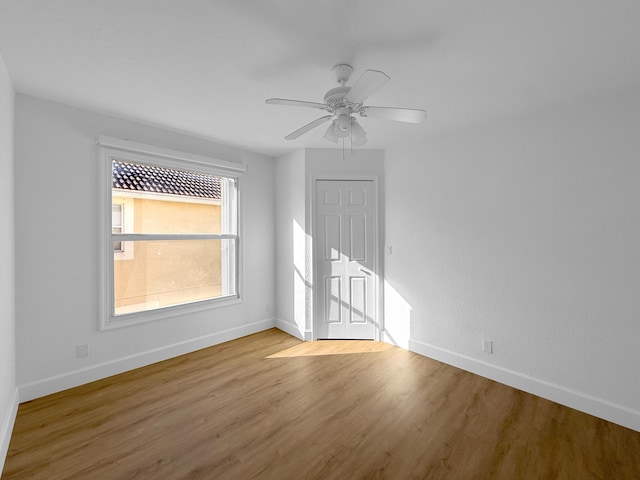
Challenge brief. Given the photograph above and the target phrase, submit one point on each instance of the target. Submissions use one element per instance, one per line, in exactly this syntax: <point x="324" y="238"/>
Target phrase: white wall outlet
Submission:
<point x="487" y="346"/>
<point x="82" y="351"/>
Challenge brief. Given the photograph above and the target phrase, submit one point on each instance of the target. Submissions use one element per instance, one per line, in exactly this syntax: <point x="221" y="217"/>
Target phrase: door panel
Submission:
<point x="358" y="238"/>
<point x="332" y="197"/>
<point x="345" y="242"/>
<point x="358" y="198"/>
<point x="358" y="300"/>
<point x="332" y="238"/>
<point x="333" y="299"/>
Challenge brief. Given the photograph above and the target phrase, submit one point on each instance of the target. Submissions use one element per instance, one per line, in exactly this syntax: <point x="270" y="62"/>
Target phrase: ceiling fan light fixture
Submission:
<point x="343" y="125"/>
<point x="357" y="131"/>
<point x="358" y="142"/>
<point x="330" y="134"/>
<point x="339" y="132"/>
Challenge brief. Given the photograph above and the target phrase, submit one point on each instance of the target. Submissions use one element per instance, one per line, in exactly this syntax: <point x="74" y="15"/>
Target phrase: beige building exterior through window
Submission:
<point x="153" y="274"/>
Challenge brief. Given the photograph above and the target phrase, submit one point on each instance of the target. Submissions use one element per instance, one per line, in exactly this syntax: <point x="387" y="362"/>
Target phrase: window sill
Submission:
<point x="130" y="319"/>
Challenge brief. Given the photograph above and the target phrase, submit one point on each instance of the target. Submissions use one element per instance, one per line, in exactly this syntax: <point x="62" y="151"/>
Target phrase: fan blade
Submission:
<point x="330" y="134"/>
<point x="307" y="127"/>
<point x="368" y="83"/>
<point x="409" y="115"/>
<point x="295" y="103"/>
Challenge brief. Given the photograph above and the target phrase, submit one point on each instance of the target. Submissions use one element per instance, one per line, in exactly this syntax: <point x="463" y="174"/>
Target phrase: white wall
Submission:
<point x="295" y="174"/>
<point x="8" y="397"/>
<point x="57" y="252"/>
<point x="526" y="233"/>
<point x="290" y="244"/>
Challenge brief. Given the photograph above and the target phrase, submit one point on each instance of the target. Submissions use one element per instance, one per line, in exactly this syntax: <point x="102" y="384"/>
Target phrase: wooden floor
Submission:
<point x="270" y="407"/>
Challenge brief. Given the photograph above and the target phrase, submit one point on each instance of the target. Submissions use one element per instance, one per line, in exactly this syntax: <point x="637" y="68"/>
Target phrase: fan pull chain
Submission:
<point x="351" y="142"/>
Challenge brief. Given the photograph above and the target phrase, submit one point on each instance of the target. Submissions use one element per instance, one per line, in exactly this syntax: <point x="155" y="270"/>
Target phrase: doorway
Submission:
<point x="346" y="259"/>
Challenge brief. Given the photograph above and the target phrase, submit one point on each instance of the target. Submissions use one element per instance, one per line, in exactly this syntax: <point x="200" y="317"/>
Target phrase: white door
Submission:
<point x="345" y="259"/>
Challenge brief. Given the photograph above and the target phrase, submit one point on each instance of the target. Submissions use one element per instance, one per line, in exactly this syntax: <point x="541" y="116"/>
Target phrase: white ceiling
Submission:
<point x="206" y="66"/>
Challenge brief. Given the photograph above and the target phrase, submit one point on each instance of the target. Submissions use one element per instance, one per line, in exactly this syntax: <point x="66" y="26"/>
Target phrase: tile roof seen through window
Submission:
<point x="148" y="178"/>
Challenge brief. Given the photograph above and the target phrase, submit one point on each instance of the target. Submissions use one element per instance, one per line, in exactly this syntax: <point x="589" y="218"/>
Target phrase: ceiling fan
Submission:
<point x="344" y="102"/>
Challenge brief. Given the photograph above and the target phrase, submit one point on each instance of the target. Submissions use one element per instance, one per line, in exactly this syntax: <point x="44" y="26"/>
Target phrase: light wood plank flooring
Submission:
<point x="270" y="407"/>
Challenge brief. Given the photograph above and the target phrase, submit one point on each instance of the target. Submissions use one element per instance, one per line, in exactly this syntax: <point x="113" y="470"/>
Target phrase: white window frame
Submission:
<point x="126" y="209"/>
<point x="124" y="150"/>
<point x="121" y="226"/>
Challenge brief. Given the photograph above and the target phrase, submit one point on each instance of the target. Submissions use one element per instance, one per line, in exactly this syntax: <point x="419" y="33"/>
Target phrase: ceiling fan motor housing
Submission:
<point x="335" y="97"/>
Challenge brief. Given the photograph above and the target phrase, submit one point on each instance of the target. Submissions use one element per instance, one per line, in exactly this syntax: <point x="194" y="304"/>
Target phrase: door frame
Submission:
<point x="378" y="240"/>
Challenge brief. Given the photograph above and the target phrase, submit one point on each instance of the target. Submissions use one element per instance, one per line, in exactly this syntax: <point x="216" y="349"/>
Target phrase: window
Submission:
<point x="171" y="240"/>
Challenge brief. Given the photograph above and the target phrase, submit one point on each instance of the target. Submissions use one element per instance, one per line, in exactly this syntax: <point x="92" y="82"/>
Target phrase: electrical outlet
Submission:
<point x="487" y="346"/>
<point x="82" y="351"/>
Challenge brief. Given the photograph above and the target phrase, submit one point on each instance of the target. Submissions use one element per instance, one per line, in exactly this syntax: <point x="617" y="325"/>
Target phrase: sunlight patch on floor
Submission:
<point x="333" y="347"/>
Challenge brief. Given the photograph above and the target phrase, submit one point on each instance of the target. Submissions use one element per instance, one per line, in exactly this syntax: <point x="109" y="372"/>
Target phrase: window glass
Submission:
<point x="171" y="273"/>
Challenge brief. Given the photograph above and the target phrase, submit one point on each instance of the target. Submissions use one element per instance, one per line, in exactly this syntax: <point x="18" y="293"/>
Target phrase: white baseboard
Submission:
<point x="7" y="429"/>
<point x="598" y="407"/>
<point x="96" y="372"/>
<point x="294" y="330"/>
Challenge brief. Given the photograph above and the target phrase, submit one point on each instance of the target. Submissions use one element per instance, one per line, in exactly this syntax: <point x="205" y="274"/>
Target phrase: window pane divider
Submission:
<point x="133" y="237"/>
